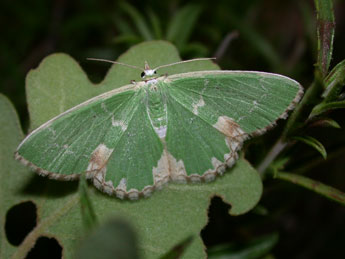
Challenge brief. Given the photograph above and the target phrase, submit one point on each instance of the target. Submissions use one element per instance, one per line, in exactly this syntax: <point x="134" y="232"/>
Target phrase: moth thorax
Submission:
<point x="157" y="111"/>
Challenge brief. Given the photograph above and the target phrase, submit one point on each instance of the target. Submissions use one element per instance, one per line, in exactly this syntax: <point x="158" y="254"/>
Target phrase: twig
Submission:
<point x="316" y="186"/>
<point x="271" y="156"/>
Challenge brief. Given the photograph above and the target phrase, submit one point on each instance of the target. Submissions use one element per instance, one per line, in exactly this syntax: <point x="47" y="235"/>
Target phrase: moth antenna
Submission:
<point x="147" y="67"/>
<point x="115" y="62"/>
<point x="184" y="61"/>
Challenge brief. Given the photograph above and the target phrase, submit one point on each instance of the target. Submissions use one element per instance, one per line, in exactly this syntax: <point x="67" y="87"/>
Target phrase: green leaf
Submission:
<point x="325" y="33"/>
<point x="257" y="248"/>
<point x="313" y="143"/>
<point x="316" y="186"/>
<point x="325" y="107"/>
<point x="326" y="123"/>
<point x="87" y="212"/>
<point x="127" y="38"/>
<point x="113" y="239"/>
<point x="124" y="26"/>
<point x="178" y="250"/>
<point x="336" y="75"/>
<point x="256" y="40"/>
<point x="260" y="210"/>
<point x="155" y="23"/>
<point x="195" y="49"/>
<point x="138" y="20"/>
<point x="178" y="211"/>
<point x="182" y="24"/>
<point x="12" y="173"/>
<point x="334" y="82"/>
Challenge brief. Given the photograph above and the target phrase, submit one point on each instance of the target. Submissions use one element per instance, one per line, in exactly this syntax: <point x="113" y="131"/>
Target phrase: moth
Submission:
<point x="185" y="127"/>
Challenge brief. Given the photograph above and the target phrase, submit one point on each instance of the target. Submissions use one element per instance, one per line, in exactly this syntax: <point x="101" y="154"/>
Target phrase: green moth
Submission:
<point x="183" y="128"/>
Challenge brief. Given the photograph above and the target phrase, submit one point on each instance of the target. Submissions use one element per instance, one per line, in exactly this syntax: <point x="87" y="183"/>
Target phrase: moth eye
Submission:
<point x="155" y="72"/>
<point x="142" y="74"/>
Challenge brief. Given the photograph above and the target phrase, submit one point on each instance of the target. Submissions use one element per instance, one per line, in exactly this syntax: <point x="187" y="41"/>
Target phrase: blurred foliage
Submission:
<point x="256" y="248"/>
<point x="274" y="36"/>
<point x="113" y="238"/>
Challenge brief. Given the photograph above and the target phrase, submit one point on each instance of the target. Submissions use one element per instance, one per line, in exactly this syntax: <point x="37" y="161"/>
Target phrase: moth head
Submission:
<point x="148" y="71"/>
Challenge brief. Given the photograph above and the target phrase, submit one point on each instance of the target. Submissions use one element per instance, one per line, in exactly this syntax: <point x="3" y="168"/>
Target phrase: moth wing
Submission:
<point x="210" y="114"/>
<point x="108" y="137"/>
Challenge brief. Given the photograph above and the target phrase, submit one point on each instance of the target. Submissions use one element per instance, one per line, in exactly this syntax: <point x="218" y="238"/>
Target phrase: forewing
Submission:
<point x="132" y="164"/>
<point x="108" y="138"/>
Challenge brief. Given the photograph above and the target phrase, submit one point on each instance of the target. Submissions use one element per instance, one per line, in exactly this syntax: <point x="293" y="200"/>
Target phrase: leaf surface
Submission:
<point x="161" y="221"/>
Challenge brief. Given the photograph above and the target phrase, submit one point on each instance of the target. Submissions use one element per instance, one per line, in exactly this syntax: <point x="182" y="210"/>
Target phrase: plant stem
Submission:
<point x="316" y="186"/>
<point x="272" y="154"/>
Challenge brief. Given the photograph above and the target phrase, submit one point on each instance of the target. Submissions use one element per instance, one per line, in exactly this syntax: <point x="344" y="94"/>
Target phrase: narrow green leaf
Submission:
<point x="316" y="186"/>
<point x="114" y="239"/>
<point x="326" y="123"/>
<point x="178" y="250"/>
<point x="309" y="25"/>
<point x="337" y="74"/>
<point x="260" y="210"/>
<point x="325" y="33"/>
<point x="334" y="82"/>
<point x="87" y="212"/>
<point x="182" y="24"/>
<point x="155" y="23"/>
<point x="123" y="26"/>
<point x="325" y="107"/>
<point x="255" y="249"/>
<point x="313" y="143"/>
<point x="256" y="40"/>
<point x="195" y="49"/>
<point x="127" y="38"/>
<point x="138" y="20"/>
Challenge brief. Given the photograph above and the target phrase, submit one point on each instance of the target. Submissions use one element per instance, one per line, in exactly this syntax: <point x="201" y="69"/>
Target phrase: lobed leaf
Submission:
<point x="161" y="221"/>
<point x="178" y="250"/>
<point x="113" y="239"/>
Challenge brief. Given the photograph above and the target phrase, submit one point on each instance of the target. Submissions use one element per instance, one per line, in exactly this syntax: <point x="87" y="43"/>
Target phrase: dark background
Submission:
<point x="264" y="35"/>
